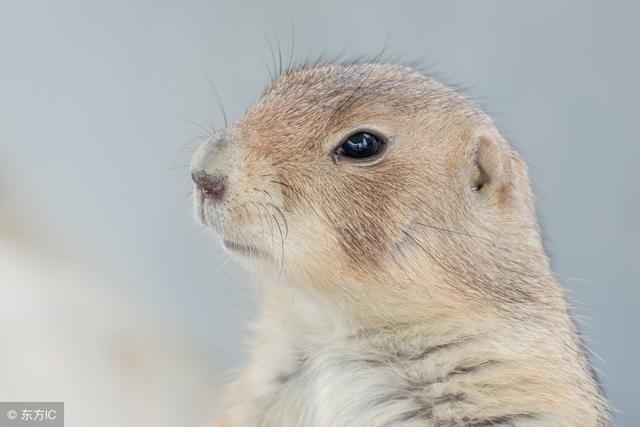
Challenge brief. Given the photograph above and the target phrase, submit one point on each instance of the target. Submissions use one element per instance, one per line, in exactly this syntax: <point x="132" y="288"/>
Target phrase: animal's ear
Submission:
<point x="490" y="164"/>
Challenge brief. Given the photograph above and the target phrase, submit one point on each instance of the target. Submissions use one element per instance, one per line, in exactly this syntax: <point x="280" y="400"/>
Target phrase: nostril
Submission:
<point x="212" y="186"/>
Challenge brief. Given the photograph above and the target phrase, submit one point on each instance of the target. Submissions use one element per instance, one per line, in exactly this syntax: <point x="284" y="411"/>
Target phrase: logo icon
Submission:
<point x="11" y="414"/>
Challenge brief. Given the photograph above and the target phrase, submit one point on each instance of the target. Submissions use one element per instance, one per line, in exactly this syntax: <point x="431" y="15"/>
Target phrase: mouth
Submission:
<point x="244" y="249"/>
<point x="213" y="222"/>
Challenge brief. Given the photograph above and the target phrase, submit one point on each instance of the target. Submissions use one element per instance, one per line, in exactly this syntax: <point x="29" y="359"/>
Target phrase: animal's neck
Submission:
<point x="308" y="321"/>
<point x="478" y="366"/>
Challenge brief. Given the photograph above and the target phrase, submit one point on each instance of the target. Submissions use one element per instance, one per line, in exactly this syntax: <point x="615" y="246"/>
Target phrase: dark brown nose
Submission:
<point x="212" y="187"/>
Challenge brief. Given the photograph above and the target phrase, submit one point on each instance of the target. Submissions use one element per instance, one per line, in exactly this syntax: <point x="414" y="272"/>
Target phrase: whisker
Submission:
<point x="276" y="208"/>
<point x="421" y="246"/>
<point x="281" y="248"/>
<point x="273" y="56"/>
<point x="270" y="224"/>
<point x="291" y="47"/>
<point x="284" y="219"/>
<point x="221" y="266"/>
<point x="275" y="30"/>
<point x="461" y="233"/>
<point x="218" y="99"/>
<point x="275" y="219"/>
<point x="284" y="184"/>
<point x="191" y="141"/>
<point x="174" y="168"/>
<point x="351" y="97"/>
<point x="271" y="76"/>
<point x="233" y="270"/>
<point x="199" y="126"/>
<point x="185" y="197"/>
<point x="259" y="214"/>
<point x="261" y="191"/>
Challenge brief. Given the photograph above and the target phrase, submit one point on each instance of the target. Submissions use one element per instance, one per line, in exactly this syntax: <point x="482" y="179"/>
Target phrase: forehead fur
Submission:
<point x="331" y="90"/>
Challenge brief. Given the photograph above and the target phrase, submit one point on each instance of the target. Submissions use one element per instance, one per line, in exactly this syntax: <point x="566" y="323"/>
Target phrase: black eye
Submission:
<point x="360" y="146"/>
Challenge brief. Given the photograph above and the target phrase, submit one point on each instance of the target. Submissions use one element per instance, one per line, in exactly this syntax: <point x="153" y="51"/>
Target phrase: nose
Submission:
<point x="212" y="187"/>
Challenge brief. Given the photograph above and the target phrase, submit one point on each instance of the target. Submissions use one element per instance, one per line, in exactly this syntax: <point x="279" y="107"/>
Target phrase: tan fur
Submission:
<point x="412" y="291"/>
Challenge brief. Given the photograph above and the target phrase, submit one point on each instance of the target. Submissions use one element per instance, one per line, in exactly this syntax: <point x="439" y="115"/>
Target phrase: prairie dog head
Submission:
<point x="372" y="183"/>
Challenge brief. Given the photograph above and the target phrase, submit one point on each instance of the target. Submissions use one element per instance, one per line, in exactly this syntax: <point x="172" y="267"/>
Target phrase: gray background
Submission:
<point x="94" y="97"/>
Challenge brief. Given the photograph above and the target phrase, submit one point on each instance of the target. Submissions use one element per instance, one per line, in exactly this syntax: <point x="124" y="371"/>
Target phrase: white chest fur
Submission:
<point x="311" y="368"/>
<point x="334" y="387"/>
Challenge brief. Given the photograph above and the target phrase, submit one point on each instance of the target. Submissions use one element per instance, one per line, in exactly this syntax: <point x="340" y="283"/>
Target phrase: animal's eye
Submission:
<point x="360" y="146"/>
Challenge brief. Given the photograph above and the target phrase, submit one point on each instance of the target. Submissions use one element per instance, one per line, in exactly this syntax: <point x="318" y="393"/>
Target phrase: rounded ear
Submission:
<point x="491" y="164"/>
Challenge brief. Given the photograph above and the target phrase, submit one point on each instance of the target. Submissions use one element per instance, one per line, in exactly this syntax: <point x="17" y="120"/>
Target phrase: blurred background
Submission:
<point x="111" y="297"/>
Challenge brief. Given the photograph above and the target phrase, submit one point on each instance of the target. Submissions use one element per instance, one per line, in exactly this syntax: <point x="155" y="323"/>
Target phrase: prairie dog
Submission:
<point x="407" y="281"/>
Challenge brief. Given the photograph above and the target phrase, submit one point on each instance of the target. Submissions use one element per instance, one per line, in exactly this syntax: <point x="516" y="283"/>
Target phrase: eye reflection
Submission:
<point x="362" y="145"/>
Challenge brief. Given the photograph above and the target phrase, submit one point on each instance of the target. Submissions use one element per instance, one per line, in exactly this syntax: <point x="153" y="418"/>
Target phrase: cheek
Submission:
<point x="366" y="220"/>
<point x="350" y="217"/>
